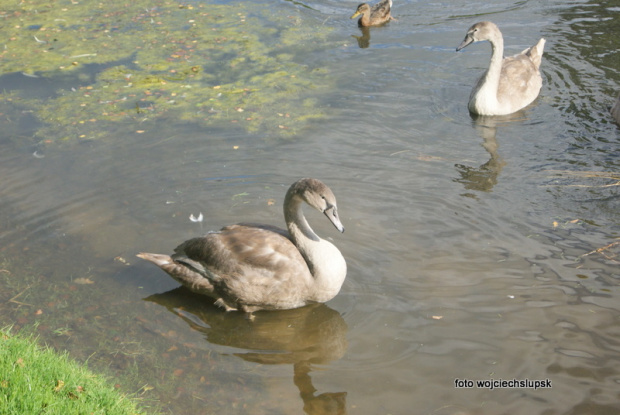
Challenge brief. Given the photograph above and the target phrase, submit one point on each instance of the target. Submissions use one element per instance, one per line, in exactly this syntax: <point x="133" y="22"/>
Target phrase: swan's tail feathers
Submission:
<point x="535" y="52"/>
<point x="190" y="276"/>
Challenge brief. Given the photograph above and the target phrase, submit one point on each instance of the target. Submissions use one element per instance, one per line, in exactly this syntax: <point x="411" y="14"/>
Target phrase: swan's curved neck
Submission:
<point x="301" y="233"/>
<point x="296" y="222"/>
<point x="491" y="78"/>
<point x="324" y="260"/>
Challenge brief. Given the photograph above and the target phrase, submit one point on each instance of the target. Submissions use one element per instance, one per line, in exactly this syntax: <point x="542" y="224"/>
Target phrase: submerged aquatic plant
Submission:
<point x="118" y="65"/>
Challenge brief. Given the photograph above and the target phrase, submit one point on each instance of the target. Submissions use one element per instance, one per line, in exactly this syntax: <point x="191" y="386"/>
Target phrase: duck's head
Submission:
<point x="361" y="9"/>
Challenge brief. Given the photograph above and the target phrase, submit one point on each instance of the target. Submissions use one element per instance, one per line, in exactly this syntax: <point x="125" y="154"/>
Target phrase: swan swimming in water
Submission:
<point x="251" y="267"/>
<point x="509" y="84"/>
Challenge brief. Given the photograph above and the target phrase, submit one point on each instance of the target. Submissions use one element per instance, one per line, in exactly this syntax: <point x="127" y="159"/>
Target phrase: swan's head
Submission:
<point x="479" y="32"/>
<point x="361" y="9"/>
<point x="316" y="193"/>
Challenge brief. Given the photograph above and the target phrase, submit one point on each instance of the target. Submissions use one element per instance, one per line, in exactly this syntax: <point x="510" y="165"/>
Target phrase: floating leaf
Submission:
<point x="121" y="260"/>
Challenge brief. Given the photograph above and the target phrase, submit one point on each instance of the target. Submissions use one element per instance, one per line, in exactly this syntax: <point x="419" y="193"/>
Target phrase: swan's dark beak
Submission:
<point x="468" y="39"/>
<point x="332" y="214"/>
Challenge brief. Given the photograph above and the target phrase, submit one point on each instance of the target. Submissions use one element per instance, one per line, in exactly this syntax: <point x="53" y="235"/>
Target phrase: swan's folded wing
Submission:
<point x="519" y="80"/>
<point x="252" y="264"/>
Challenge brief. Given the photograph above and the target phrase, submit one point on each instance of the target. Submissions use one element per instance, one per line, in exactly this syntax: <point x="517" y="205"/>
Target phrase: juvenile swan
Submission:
<point x="510" y="83"/>
<point x="377" y="15"/>
<point x="251" y="267"/>
<point x="615" y="110"/>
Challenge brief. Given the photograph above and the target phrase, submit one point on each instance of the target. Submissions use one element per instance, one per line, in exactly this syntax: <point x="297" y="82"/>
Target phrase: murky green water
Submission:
<point x="471" y="244"/>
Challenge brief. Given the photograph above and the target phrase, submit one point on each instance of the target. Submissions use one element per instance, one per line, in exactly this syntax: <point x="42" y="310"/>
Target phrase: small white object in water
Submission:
<point x="196" y="219"/>
<point x="37" y="155"/>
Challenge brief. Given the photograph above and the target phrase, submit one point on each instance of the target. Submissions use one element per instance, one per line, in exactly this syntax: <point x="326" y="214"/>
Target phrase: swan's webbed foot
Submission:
<point x="249" y="312"/>
<point x="220" y="303"/>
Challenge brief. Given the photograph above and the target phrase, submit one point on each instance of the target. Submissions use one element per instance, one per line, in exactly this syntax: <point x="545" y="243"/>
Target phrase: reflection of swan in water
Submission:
<point x="315" y="334"/>
<point x="485" y="177"/>
<point x="327" y="403"/>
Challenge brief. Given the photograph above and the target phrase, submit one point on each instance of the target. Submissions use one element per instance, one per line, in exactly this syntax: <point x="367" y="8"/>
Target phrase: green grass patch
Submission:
<point x="38" y="380"/>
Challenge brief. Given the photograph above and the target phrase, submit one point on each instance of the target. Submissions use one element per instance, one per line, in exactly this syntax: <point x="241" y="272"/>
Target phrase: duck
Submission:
<point x="249" y="267"/>
<point x="615" y="110"/>
<point x="509" y="84"/>
<point x="375" y="16"/>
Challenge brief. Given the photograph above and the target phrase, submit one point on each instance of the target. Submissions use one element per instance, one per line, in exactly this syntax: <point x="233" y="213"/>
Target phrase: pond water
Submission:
<point x="477" y="249"/>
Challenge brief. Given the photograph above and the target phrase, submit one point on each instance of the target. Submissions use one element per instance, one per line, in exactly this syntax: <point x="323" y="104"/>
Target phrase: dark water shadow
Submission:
<point x="50" y="84"/>
<point x="314" y="334"/>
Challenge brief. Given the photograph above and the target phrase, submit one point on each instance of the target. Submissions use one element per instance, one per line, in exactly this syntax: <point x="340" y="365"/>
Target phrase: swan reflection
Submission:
<point x="484" y="177"/>
<point x="315" y="334"/>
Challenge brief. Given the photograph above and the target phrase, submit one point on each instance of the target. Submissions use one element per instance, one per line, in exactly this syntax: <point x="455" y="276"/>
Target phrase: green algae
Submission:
<point x="124" y="66"/>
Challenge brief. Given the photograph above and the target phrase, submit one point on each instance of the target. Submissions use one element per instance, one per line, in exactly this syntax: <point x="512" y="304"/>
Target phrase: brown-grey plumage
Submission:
<point x="252" y="267"/>
<point x="615" y="110"/>
<point x="509" y="84"/>
<point x="375" y="15"/>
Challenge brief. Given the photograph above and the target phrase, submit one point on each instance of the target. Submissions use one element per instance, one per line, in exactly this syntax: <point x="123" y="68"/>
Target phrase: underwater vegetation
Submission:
<point x="118" y="66"/>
